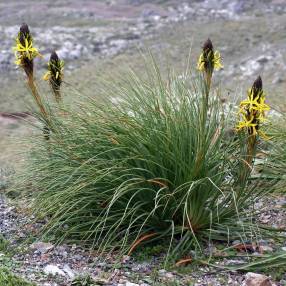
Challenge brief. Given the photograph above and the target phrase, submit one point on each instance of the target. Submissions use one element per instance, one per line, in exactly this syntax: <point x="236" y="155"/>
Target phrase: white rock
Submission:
<point x="53" y="270"/>
<point x="169" y="275"/>
<point x="265" y="248"/>
<point x="125" y="258"/>
<point x="42" y="247"/>
<point x="162" y="272"/>
<point x="254" y="279"/>
<point x="68" y="271"/>
<point x="131" y="284"/>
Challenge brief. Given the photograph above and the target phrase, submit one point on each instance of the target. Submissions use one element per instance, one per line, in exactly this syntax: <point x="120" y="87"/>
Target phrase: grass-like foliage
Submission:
<point x="154" y="161"/>
<point x="9" y="279"/>
<point x="276" y="160"/>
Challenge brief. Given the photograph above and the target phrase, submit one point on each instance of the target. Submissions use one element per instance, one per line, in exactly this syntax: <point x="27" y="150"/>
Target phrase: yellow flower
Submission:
<point x="55" y="74"/>
<point x="55" y="69"/>
<point x="253" y="109"/>
<point x="27" y="50"/>
<point x="255" y="102"/>
<point x="24" y="50"/>
<point x="247" y="123"/>
<point x="209" y="60"/>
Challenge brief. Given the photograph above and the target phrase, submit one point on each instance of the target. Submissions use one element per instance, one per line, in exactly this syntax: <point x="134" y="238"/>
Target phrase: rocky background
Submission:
<point x="251" y="36"/>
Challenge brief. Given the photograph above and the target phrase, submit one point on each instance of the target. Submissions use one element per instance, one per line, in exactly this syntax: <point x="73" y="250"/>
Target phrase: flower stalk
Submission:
<point x="25" y="54"/>
<point x="209" y="61"/>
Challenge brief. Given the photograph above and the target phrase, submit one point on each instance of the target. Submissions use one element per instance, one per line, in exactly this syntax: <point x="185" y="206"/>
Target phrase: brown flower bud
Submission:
<point x="24" y="33"/>
<point x="55" y="74"/>
<point x="54" y="57"/>
<point x="208" y="46"/>
<point x="257" y="87"/>
<point x="208" y="55"/>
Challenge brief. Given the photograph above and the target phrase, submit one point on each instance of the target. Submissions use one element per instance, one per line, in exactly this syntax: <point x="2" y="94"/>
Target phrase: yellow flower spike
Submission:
<point x="24" y="50"/>
<point x="55" y="74"/>
<point x="253" y="109"/>
<point x="208" y="59"/>
<point x="55" y="69"/>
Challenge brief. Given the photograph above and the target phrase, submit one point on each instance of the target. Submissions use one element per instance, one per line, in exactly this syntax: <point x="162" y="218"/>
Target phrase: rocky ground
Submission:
<point x="89" y="34"/>
<point x="48" y="264"/>
<point x="80" y="32"/>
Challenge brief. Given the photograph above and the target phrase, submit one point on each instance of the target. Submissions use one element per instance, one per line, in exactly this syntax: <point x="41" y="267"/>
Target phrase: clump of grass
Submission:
<point x="3" y="243"/>
<point x="155" y="166"/>
<point x="9" y="279"/>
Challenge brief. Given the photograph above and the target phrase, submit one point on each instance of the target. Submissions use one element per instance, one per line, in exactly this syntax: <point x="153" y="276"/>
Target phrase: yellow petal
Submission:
<point x="47" y="76"/>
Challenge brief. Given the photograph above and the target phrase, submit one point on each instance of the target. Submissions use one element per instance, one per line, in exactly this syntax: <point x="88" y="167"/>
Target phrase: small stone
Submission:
<point x="53" y="270"/>
<point x="265" y="248"/>
<point x="162" y="272"/>
<point x="235" y="242"/>
<point x="77" y="257"/>
<point x="68" y="271"/>
<point x="169" y="275"/>
<point x="102" y="264"/>
<point x="125" y="258"/>
<point x="131" y="284"/>
<point x="42" y="247"/>
<point x="283" y="248"/>
<point x="254" y="279"/>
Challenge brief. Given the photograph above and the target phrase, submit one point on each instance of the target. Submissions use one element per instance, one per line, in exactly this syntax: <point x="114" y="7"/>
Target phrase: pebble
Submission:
<point x="42" y="247"/>
<point x="68" y="271"/>
<point x="131" y="284"/>
<point x="162" y="272"/>
<point x="53" y="270"/>
<point x="265" y="248"/>
<point x="169" y="275"/>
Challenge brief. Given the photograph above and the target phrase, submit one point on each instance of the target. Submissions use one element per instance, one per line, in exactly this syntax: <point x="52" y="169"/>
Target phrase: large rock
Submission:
<point x="254" y="279"/>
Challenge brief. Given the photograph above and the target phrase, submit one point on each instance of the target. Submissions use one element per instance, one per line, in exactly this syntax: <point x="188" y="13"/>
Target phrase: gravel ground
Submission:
<point x="58" y="265"/>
